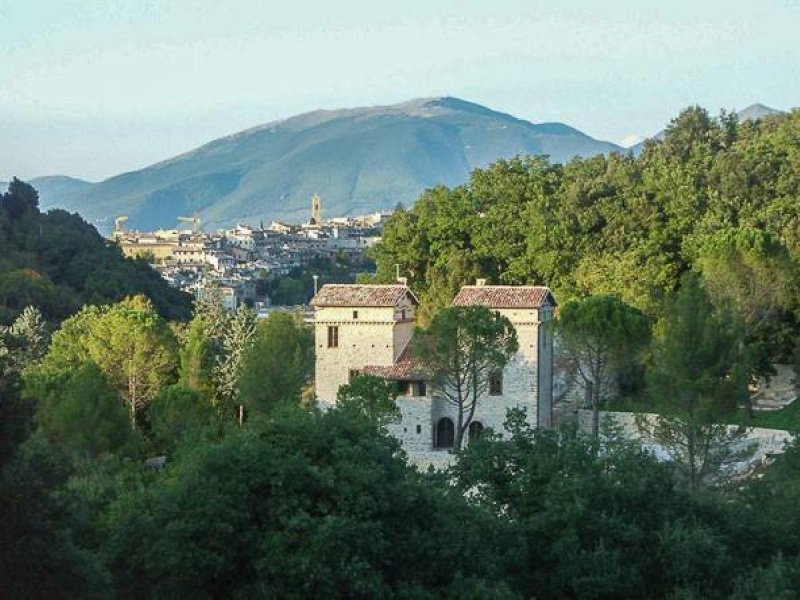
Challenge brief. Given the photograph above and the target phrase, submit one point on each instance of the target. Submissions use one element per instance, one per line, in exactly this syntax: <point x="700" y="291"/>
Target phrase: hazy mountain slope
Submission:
<point x="358" y="160"/>
<point x="58" y="189"/>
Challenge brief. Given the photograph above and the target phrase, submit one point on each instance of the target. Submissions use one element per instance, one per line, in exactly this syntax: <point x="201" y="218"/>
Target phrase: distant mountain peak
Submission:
<point x="757" y="111"/>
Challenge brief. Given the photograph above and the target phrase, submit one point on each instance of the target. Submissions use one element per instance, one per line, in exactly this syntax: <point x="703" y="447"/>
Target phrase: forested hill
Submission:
<point x="359" y="160"/>
<point x="58" y="262"/>
<point x="612" y="224"/>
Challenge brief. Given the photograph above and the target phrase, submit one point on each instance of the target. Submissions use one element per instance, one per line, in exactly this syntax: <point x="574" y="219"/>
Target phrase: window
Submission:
<point x="419" y="429"/>
<point x="403" y="388"/>
<point x="496" y="383"/>
<point x="355" y="314"/>
<point x="475" y="430"/>
<point x="421" y="389"/>
<point x="333" y="336"/>
<point x="353" y="374"/>
<point x="445" y="433"/>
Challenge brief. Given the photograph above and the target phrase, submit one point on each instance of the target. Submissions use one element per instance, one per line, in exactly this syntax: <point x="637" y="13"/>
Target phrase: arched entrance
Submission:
<point x="445" y="434"/>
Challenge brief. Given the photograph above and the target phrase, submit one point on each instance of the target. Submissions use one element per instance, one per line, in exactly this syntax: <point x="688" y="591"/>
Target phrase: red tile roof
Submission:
<point x="406" y="368"/>
<point x="504" y="296"/>
<point x="337" y="294"/>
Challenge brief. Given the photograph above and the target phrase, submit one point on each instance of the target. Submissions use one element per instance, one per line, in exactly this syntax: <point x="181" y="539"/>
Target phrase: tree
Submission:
<point x="128" y="341"/>
<point x="80" y="411"/>
<point x="698" y="377"/>
<point x="20" y="200"/>
<point x="463" y="348"/>
<point x="277" y="364"/>
<point x="178" y="413"/>
<point x="135" y="349"/>
<point x="236" y="339"/>
<point x="303" y="505"/>
<point x="197" y="358"/>
<point x="372" y="396"/>
<point x="22" y="345"/>
<point x="601" y="335"/>
<point x="593" y="524"/>
<point x="750" y="272"/>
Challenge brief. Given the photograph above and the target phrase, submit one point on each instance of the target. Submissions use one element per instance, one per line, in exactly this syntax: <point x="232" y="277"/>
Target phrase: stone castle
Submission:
<point x="368" y="329"/>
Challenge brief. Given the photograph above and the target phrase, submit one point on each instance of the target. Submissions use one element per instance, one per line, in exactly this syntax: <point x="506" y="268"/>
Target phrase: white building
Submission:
<point x="368" y="329"/>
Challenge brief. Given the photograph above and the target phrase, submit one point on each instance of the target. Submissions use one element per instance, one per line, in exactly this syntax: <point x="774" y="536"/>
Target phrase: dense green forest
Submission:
<point x="58" y="262"/>
<point x="148" y="455"/>
<point x="616" y="224"/>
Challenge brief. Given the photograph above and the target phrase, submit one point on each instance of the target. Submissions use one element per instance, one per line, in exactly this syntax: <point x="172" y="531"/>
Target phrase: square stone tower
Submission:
<point x="527" y="381"/>
<point x="358" y="325"/>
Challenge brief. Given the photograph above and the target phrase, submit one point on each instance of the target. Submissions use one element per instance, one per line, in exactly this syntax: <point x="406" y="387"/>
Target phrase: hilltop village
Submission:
<point x="242" y="259"/>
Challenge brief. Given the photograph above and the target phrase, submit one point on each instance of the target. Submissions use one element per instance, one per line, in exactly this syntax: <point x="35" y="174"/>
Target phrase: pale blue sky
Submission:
<point x="93" y="88"/>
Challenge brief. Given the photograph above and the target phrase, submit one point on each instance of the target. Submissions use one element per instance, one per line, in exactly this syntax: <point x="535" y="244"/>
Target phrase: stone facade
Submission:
<point x="374" y="328"/>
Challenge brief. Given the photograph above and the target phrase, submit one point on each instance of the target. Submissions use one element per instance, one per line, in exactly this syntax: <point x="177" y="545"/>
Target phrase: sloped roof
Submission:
<point x="345" y="294"/>
<point x="504" y="296"/>
<point x="405" y="368"/>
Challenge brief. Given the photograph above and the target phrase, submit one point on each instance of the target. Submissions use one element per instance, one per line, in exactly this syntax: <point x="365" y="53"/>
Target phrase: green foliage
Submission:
<point x="462" y="348"/>
<point x="38" y="556"/>
<point x="277" y="365"/>
<point x="751" y="273"/>
<point x="22" y="345"/>
<point x="617" y="224"/>
<point x="305" y="505"/>
<point x="698" y="378"/>
<point x="128" y="341"/>
<point x="607" y="524"/>
<point x="602" y="338"/>
<point x="58" y="262"/>
<point x="80" y="411"/>
<point x="371" y="396"/>
<point x="178" y="413"/>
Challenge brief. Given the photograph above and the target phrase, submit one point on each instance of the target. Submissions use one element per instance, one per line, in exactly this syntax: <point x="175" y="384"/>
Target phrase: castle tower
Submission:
<point x="316" y="210"/>
<point x="529" y="375"/>
<point x="359" y="325"/>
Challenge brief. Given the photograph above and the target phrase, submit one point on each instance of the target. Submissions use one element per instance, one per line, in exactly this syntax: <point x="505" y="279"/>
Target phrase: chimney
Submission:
<point x="480" y="282"/>
<point x="402" y="280"/>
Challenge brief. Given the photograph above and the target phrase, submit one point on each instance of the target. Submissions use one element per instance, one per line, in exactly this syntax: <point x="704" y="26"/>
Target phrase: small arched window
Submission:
<point x="475" y="430"/>
<point x="445" y="433"/>
<point x="496" y="383"/>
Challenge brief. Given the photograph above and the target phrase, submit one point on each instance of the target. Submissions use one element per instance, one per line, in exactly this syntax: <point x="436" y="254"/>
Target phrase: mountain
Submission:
<point x="59" y="186"/>
<point x="757" y="111"/>
<point x="751" y="113"/>
<point x="358" y="160"/>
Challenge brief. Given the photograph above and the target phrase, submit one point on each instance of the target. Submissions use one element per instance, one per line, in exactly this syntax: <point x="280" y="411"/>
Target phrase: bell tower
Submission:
<point x="316" y="210"/>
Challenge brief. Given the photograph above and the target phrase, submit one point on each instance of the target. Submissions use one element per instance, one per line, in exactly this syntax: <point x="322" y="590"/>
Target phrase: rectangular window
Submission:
<point x="353" y="374"/>
<point x="333" y="336"/>
<point x="403" y="388"/>
<point x="421" y="389"/>
<point x="496" y="383"/>
<point x="355" y="314"/>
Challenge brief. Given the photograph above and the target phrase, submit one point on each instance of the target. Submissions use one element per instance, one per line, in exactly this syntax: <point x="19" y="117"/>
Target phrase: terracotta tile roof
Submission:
<point x="406" y="368"/>
<point x="504" y="296"/>
<point x="345" y="294"/>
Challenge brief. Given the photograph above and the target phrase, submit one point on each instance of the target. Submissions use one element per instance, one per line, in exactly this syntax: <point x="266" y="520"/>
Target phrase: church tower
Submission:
<point x="316" y="210"/>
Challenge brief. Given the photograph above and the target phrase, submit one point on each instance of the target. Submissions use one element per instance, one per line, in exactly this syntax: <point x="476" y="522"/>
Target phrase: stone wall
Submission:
<point x="371" y="338"/>
<point x="765" y="442"/>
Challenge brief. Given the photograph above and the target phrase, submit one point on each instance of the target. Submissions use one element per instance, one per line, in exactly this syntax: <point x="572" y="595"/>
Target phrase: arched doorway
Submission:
<point x="445" y="433"/>
<point x="475" y="430"/>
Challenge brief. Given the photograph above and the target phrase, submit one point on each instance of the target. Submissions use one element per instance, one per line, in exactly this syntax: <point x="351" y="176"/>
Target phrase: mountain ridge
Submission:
<point x="358" y="159"/>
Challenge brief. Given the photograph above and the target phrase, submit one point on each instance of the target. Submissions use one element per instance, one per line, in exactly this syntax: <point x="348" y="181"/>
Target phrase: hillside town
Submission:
<point x="240" y="259"/>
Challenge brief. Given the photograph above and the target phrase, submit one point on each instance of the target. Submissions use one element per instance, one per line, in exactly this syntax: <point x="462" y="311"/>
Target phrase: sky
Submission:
<point x="94" y="88"/>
